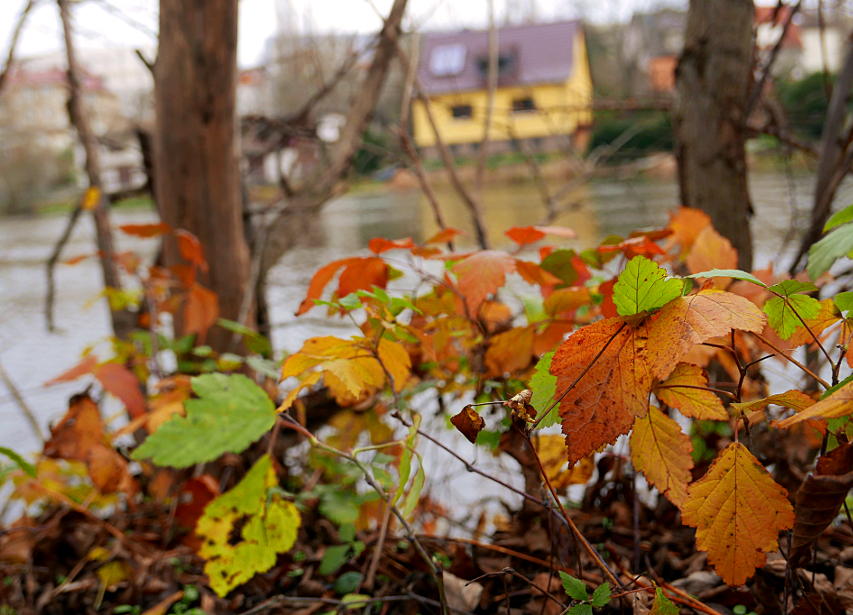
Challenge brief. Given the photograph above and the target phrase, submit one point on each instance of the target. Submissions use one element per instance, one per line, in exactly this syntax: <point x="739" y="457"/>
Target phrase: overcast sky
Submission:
<point x="104" y="23"/>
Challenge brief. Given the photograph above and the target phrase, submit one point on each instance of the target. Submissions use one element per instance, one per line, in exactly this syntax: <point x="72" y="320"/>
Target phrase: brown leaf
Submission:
<point x="820" y="499"/>
<point x="190" y="248"/>
<point x="146" y="230"/>
<point x="469" y="422"/>
<point x="201" y="310"/>
<point x="520" y="405"/>
<point x="77" y="432"/>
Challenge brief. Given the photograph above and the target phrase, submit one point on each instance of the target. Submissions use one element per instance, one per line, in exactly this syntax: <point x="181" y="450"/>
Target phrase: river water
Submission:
<point x="31" y="355"/>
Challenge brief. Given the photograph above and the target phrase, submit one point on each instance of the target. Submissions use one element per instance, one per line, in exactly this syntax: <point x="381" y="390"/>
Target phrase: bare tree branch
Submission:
<point x="16" y="33"/>
<point x="492" y="80"/>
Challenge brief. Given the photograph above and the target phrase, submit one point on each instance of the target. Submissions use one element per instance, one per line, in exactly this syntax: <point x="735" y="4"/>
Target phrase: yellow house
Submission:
<point x="544" y="93"/>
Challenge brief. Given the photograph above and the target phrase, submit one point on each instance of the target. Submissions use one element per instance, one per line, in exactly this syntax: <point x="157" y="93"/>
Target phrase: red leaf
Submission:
<point x="481" y="275"/>
<point x="524" y="235"/>
<point x="636" y="246"/>
<point x="444" y="236"/>
<point x="203" y="490"/>
<point x="559" y="231"/>
<point x="608" y="308"/>
<point x="200" y="311"/>
<point x="121" y="382"/>
<point x="146" y="230"/>
<point x="81" y="369"/>
<point x="190" y="248"/>
<point x="378" y="245"/>
<point x="319" y="282"/>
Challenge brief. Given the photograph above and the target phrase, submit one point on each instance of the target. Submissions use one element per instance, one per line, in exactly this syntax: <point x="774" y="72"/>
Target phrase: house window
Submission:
<point x="506" y="64"/>
<point x="520" y="105"/>
<point x="462" y="112"/>
<point x="447" y="60"/>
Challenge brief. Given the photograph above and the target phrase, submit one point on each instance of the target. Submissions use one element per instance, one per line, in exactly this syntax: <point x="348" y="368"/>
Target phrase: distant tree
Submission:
<point x="713" y="84"/>
<point x="805" y="103"/>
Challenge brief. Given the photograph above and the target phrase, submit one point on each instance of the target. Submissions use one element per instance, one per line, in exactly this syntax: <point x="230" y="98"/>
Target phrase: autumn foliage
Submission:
<point x="637" y="349"/>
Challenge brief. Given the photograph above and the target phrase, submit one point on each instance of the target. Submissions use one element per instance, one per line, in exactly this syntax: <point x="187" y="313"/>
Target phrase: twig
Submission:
<point x="756" y="90"/>
<point x="22" y="404"/>
<point x="492" y="85"/>
<point x="588" y="547"/>
<point x="823" y="382"/>
<point x="51" y="265"/>
<point x="377" y="550"/>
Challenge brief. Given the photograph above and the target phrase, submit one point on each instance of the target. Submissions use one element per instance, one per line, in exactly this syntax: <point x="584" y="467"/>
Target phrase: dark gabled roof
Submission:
<point x="539" y="53"/>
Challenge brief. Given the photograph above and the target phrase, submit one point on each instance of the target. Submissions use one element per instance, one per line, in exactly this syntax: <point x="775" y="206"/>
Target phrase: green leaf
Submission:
<point x="663" y="605"/>
<point x="405" y="468"/>
<point x="838" y="218"/>
<point x="833" y="389"/>
<point x="575" y="588"/>
<point x="339" y="506"/>
<point x="356" y="600"/>
<point x="266" y="367"/>
<point x="844" y="302"/>
<point x="782" y="313"/>
<point x="244" y="530"/>
<point x="644" y="287"/>
<point x="22" y="463"/>
<point x="346" y="533"/>
<point x="601" y="595"/>
<point x="351" y="302"/>
<point x="736" y="274"/>
<point x="544" y="387"/>
<point x="559" y="263"/>
<point x="334" y="557"/>
<point x="414" y="494"/>
<point x="231" y="413"/>
<point x="255" y="342"/>
<point x="825" y="252"/>
<point x="347" y="582"/>
<point x="580" y="609"/>
<point x="786" y="288"/>
<point x="398" y="304"/>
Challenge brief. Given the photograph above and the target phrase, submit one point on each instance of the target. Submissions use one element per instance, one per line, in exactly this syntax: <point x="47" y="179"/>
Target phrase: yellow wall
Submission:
<point x="560" y="108"/>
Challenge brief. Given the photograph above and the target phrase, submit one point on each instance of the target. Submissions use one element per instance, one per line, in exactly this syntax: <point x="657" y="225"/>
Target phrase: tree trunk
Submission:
<point x="712" y="89"/>
<point x="196" y="145"/>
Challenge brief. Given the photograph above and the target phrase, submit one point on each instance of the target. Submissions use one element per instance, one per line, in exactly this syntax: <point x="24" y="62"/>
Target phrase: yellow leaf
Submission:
<point x="113" y="572"/>
<point x="245" y="529"/>
<point x="396" y="360"/>
<point x="793" y="399"/>
<point x="510" y="352"/>
<point x="680" y="391"/>
<point x="554" y="456"/>
<point x="291" y="397"/>
<point x="839" y="404"/>
<point x="662" y="452"/>
<point x="738" y="511"/>
<point x="91" y="198"/>
<point x="826" y="317"/>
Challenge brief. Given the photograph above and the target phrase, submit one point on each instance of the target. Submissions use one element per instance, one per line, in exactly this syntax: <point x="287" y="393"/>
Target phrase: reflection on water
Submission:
<point x="32" y="356"/>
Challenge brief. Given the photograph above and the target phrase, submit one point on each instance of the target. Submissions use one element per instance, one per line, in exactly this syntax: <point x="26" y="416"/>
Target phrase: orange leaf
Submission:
<point x="534" y="274"/>
<point x="635" y="246"/>
<point x="109" y="470"/>
<point x="121" y="382"/>
<point x="444" y="236"/>
<point x="378" y="245"/>
<point x="559" y="231"/>
<point x="146" y="230"/>
<point x="319" y="282"/>
<point x="839" y="404"/>
<point x="566" y="300"/>
<point x="679" y="391"/>
<point x="608" y="308"/>
<point x="524" y="235"/>
<point x="363" y="274"/>
<point x="686" y="224"/>
<point x="662" y="452"/>
<point x="190" y="249"/>
<point x="612" y="393"/>
<point x="712" y="251"/>
<point x="469" y="423"/>
<point x="552" y="452"/>
<point x="684" y="322"/>
<point x="481" y="275"/>
<point x="91" y="198"/>
<point x="510" y="352"/>
<point x="200" y="311"/>
<point x="86" y="366"/>
<point x="738" y="511"/>
<point x="76" y="259"/>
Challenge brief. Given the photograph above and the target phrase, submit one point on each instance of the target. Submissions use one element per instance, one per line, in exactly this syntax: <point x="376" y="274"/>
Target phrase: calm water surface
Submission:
<point x="32" y="356"/>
